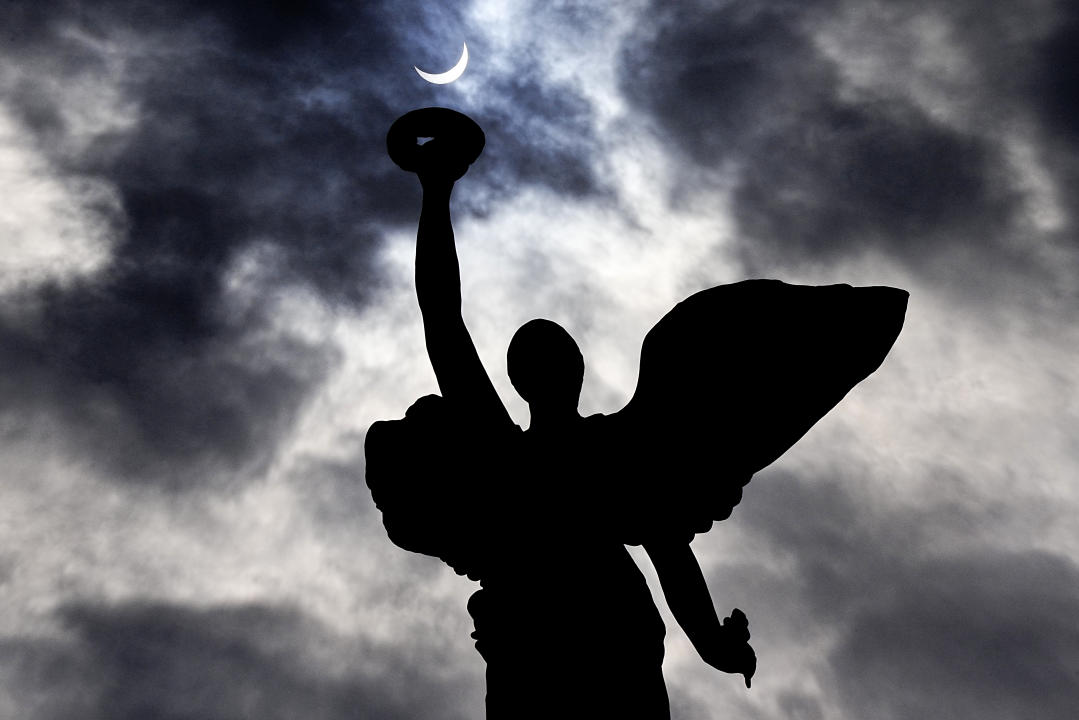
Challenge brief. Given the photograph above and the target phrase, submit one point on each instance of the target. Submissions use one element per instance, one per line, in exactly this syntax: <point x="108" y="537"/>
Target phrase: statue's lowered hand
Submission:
<point x="730" y="652"/>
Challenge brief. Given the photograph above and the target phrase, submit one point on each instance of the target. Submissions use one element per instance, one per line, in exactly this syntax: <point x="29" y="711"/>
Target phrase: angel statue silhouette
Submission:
<point x="729" y="380"/>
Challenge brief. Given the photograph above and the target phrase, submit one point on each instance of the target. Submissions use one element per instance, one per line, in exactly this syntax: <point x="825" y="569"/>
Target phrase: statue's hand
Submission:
<point x="730" y="651"/>
<point x="453" y="142"/>
<point x="438" y="163"/>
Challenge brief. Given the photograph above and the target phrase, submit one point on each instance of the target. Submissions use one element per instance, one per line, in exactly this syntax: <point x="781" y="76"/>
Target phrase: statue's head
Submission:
<point x="546" y="366"/>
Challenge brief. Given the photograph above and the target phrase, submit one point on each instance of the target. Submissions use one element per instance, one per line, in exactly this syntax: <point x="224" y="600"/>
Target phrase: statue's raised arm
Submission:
<point x="455" y="141"/>
<point x="425" y="470"/>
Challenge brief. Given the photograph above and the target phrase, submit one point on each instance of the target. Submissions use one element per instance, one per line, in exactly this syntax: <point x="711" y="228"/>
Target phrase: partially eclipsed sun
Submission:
<point x="450" y="75"/>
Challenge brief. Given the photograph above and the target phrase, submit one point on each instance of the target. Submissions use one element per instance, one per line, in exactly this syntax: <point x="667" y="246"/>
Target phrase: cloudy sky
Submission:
<point x="206" y="299"/>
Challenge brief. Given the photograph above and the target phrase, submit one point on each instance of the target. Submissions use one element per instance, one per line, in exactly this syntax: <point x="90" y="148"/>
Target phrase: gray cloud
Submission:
<point x="929" y="614"/>
<point x="254" y="661"/>
<point x="826" y="171"/>
<point x="977" y="636"/>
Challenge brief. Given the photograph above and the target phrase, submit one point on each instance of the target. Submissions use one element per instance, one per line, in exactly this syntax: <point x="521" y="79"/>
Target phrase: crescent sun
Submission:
<point x="450" y="75"/>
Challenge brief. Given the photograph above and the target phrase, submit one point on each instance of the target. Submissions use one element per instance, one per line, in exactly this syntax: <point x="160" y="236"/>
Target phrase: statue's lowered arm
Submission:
<point x="723" y="646"/>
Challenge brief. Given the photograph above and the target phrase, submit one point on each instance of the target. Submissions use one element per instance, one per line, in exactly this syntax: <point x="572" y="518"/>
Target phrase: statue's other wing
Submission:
<point x="730" y="379"/>
<point x="431" y="475"/>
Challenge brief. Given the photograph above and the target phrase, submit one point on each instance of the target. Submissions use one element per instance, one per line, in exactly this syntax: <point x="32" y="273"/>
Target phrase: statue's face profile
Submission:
<point x="546" y="366"/>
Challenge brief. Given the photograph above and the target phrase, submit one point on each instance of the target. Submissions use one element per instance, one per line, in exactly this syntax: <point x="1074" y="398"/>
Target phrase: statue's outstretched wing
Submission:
<point x="730" y="379"/>
<point x="431" y="475"/>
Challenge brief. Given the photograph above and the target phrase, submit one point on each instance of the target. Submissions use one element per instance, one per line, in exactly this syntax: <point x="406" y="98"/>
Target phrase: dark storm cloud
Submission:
<point x="929" y="617"/>
<point x="1053" y="89"/>
<point x="233" y="144"/>
<point x="1055" y="75"/>
<point x="824" y="172"/>
<point x="152" y="405"/>
<point x="255" y="122"/>
<point x="139" y="661"/>
<point x="535" y="137"/>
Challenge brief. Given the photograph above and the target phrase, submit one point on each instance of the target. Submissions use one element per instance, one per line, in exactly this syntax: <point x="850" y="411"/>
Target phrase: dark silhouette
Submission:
<point x="729" y="379"/>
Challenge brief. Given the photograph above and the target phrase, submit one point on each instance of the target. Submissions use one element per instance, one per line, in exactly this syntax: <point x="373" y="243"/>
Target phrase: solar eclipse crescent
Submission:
<point x="450" y="75"/>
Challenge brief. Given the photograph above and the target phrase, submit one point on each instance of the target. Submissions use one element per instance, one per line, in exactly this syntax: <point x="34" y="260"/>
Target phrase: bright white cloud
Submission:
<point x="55" y="226"/>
